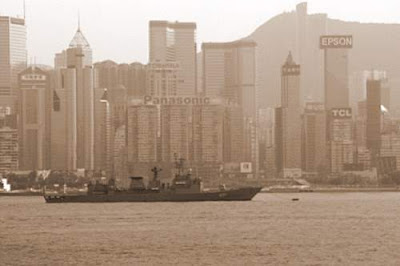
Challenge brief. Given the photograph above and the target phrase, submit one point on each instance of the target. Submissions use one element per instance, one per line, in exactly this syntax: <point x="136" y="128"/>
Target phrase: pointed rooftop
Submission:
<point x="290" y="68"/>
<point x="79" y="40"/>
<point x="289" y="59"/>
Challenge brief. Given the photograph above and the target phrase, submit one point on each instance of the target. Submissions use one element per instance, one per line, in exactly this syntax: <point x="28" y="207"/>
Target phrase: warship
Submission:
<point x="184" y="187"/>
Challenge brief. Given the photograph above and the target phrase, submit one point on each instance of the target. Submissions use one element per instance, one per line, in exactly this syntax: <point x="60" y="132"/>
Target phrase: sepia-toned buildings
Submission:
<point x="13" y="58"/>
<point x="288" y="122"/>
<point x="73" y="109"/>
<point x="314" y="141"/>
<point x="229" y="74"/>
<point x="9" y="149"/>
<point x="175" y="42"/>
<point x="336" y="70"/>
<point x="34" y="118"/>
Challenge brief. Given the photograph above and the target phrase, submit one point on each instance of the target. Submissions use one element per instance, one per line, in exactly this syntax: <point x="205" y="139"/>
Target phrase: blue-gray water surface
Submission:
<point x="319" y="229"/>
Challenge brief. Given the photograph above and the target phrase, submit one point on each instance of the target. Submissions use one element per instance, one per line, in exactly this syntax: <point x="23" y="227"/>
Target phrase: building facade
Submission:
<point x="341" y="145"/>
<point x="229" y="74"/>
<point x="175" y="42"/>
<point x="288" y="121"/>
<point x="314" y="141"/>
<point x="73" y="109"/>
<point x="13" y="58"/>
<point x="34" y="118"/>
<point x="336" y="70"/>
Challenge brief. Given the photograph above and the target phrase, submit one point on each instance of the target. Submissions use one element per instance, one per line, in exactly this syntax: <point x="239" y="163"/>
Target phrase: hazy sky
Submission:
<point x="118" y="29"/>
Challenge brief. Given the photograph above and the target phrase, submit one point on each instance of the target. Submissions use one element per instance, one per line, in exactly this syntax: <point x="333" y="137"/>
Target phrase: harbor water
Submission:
<point x="272" y="229"/>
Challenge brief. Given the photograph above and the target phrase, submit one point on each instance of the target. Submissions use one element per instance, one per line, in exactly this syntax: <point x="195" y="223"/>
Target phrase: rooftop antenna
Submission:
<point x="79" y="20"/>
<point x="24" y="10"/>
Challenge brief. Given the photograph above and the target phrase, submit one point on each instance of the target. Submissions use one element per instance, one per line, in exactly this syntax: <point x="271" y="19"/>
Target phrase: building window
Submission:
<point x="56" y="102"/>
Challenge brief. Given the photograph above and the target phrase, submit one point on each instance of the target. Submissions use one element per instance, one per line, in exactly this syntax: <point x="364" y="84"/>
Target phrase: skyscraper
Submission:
<point x="9" y="151"/>
<point x="288" y="121"/>
<point x="229" y="73"/>
<point x="374" y="119"/>
<point x="13" y="57"/>
<point x="314" y="145"/>
<point x="336" y="70"/>
<point x="341" y="148"/>
<point x="34" y="118"/>
<point x="175" y="42"/>
<point x="73" y="109"/>
<point x="142" y="136"/>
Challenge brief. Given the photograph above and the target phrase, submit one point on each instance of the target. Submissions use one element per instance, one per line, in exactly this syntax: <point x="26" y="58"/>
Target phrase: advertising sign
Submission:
<point x="245" y="168"/>
<point x="176" y="100"/>
<point x="341" y="113"/>
<point x="336" y="41"/>
<point x="292" y="173"/>
<point x="315" y="107"/>
<point x="164" y="66"/>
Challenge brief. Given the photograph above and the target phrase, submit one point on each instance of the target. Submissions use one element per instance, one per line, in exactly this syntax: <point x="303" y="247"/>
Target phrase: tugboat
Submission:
<point x="183" y="188"/>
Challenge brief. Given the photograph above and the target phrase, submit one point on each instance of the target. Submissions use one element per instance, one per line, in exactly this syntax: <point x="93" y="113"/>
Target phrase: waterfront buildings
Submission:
<point x="374" y="121"/>
<point x="73" y="109"/>
<point x="108" y="74"/>
<point x="34" y="118"/>
<point x="142" y="137"/>
<point x="288" y="121"/>
<point x="9" y="151"/>
<point x="341" y="146"/>
<point x="13" y="58"/>
<point x="175" y="42"/>
<point x="314" y="141"/>
<point x="229" y="74"/>
<point x="336" y="70"/>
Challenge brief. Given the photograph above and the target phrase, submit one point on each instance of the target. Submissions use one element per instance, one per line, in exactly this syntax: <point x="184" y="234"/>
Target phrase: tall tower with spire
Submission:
<point x="73" y="108"/>
<point x="288" y="121"/>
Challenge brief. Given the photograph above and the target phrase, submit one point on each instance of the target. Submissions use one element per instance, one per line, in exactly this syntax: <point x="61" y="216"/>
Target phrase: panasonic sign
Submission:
<point x="176" y="100"/>
<point x="336" y="41"/>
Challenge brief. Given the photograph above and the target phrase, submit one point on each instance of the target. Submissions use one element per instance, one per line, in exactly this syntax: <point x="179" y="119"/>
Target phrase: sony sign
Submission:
<point x="336" y="41"/>
<point x="340" y="113"/>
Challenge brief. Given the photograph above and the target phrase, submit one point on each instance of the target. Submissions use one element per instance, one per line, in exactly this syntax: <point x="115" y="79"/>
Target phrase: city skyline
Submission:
<point x="129" y="43"/>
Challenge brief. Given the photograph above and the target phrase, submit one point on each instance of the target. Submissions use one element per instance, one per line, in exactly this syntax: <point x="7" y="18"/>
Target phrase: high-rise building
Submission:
<point x="361" y="125"/>
<point x="358" y="87"/>
<point x="288" y="121"/>
<point x="229" y="73"/>
<point x="266" y="119"/>
<point x="374" y="118"/>
<point x="120" y="159"/>
<point x="390" y="147"/>
<point x="314" y="145"/>
<point x="142" y="136"/>
<point x="13" y="58"/>
<point x="9" y="151"/>
<point x="341" y="147"/>
<point x="176" y="127"/>
<point x="34" y="118"/>
<point x="108" y="74"/>
<point x="336" y="70"/>
<point x="162" y="79"/>
<point x="102" y="127"/>
<point x="175" y="42"/>
<point x="73" y="109"/>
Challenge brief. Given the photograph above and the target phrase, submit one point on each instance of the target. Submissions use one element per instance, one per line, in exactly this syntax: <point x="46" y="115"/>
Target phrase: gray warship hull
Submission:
<point x="241" y="194"/>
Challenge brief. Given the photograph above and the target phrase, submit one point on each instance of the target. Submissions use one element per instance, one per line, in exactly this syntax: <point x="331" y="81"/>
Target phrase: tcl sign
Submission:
<point x="341" y="113"/>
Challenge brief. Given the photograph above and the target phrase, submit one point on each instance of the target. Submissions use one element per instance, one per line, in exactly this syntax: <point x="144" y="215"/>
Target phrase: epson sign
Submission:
<point x="340" y="113"/>
<point x="336" y="41"/>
